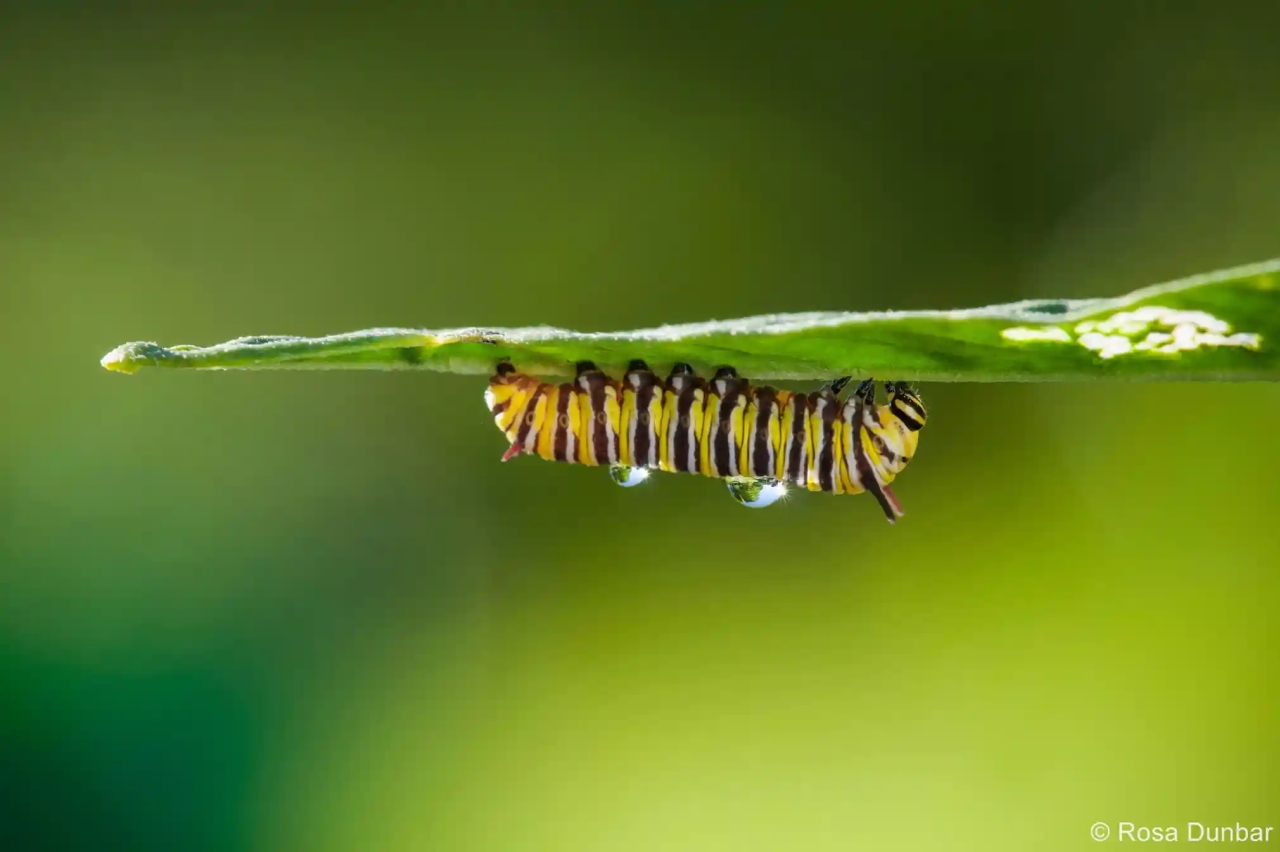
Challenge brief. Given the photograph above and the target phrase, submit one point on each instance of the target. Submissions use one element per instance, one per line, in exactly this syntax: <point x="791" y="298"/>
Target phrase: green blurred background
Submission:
<point x="313" y="611"/>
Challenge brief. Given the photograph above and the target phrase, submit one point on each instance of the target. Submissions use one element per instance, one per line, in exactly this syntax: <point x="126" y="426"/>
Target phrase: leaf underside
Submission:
<point x="1220" y="326"/>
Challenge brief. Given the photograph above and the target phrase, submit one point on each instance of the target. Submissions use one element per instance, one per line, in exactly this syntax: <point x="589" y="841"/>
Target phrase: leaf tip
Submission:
<point x="117" y="362"/>
<point x="129" y="357"/>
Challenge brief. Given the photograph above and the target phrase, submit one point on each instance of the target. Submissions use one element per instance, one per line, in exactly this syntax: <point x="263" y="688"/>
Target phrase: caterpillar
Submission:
<point x="758" y="439"/>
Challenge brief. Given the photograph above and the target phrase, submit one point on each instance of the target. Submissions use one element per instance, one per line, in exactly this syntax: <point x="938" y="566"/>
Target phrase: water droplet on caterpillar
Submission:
<point x="628" y="477"/>
<point x="756" y="493"/>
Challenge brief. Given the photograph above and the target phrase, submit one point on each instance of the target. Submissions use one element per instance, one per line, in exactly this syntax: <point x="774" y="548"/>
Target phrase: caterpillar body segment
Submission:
<point x="760" y="440"/>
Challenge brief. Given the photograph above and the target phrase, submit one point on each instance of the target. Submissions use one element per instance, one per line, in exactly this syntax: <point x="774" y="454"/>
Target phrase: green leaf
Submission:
<point x="1224" y="325"/>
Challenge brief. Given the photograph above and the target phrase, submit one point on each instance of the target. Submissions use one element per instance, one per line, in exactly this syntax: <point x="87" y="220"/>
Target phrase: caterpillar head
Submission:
<point x="906" y="405"/>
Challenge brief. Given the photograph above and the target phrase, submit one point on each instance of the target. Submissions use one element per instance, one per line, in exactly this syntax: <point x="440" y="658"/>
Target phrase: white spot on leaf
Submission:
<point x="1048" y="332"/>
<point x="1116" y="334"/>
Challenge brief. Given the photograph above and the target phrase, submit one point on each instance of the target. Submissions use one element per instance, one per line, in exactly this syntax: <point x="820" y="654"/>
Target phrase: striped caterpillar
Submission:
<point x="756" y="438"/>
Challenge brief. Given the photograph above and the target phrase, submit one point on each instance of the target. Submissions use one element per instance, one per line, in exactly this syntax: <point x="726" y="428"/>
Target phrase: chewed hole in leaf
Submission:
<point x="1047" y="307"/>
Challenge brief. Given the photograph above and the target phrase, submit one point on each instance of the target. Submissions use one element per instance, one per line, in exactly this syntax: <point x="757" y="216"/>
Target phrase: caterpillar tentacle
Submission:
<point x="758" y="439"/>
